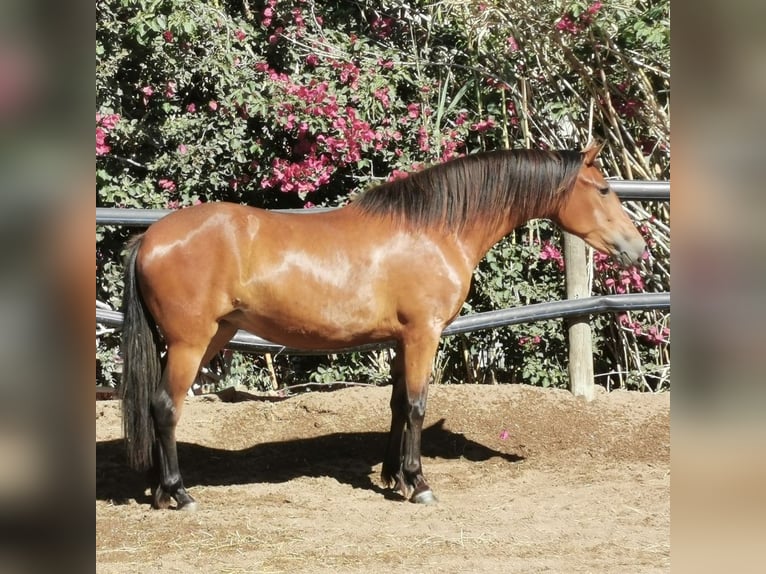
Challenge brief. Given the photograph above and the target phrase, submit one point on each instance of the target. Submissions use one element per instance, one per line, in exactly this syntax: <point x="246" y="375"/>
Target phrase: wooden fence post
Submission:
<point x="580" y="341"/>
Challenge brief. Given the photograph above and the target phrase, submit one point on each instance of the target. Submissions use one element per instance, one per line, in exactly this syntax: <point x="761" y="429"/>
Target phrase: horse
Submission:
<point x="393" y="265"/>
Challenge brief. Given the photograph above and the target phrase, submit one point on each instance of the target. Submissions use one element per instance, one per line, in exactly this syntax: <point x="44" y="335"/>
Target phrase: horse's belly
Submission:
<point x="314" y="325"/>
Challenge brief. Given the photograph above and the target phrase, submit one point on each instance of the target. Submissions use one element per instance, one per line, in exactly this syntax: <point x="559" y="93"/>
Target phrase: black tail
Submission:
<point x="141" y="369"/>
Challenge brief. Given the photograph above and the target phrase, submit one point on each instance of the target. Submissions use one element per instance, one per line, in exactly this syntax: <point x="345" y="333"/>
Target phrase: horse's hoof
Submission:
<point x="190" y="506"/>
<point x="160" y="499"/>
<point x="425" y="497"/>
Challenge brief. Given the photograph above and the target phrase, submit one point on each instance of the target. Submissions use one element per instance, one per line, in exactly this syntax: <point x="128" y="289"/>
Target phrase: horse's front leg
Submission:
<point x="408" y="409"/>
<point x="392" y="460"/>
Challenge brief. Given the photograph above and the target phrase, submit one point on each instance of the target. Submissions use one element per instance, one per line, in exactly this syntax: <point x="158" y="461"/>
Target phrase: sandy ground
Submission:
<point x="293" y="486"/>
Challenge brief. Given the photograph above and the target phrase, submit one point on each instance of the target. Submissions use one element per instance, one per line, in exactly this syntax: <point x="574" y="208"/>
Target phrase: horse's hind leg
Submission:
<point x="408" y="404"/>
<point x="183" y="363"/>
<point x="181" y="368"/>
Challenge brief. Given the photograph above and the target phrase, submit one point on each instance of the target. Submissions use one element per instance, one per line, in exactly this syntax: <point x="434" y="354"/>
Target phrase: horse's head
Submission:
<point x="593" y="212"/>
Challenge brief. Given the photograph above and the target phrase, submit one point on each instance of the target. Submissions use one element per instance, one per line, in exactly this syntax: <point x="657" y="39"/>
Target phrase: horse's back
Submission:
<point x="322" y="280"/>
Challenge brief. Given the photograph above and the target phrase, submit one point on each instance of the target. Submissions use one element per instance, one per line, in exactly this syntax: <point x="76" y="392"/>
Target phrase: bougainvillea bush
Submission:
<point x="295" y="104"/>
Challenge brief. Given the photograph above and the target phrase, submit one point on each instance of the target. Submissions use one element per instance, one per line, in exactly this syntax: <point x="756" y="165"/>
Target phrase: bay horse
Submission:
<point x="393" y="265"/>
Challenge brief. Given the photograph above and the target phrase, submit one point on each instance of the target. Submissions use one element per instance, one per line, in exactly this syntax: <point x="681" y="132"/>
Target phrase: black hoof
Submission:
<point x="161" y="500"/>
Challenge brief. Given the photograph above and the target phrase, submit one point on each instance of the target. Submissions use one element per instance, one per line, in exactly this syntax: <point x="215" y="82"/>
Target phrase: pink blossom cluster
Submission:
<point x="450" y="146"/>
<point x="484" y="125"/>
<point x="574" y="25"/>
<point x="349" y="137"/>
<point x="529" y="341"/>
<point x="654" y="335"/>
<point x="381" y="94"/>
<point x="615" y="278"/>
<point x="398" y="174"/>
<point x="268" y="13"/>
<point x="146" y="93"/>
<point x="382" y="27"/>
<point x="550" y="252"/>
<point x="300" y="177"/>
<point x="345" y="137"/>
<point x="104" y="124"/>
<point x="167" y="185"/>
<point x="349" y="73"/>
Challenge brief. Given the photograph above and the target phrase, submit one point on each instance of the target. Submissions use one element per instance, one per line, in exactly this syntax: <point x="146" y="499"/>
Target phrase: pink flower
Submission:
<point x="298" y="19"/>
<point x="397" y="174"/>
<point x="147" y="92"/>
<point x="213" y="105"/>
<point x="191" y="108"/>
<point x="535" y="340"/>
<point x="104" y="123"/>
<point x="566" y="24"/>
<point x="274" y="38"/>
<point x="101" y="146"/>
<point x="301" y="177"/>
<point x="167" y="184"/>
<point x="513" y="45"/>
<point x="182" y="149"/>
<point x="423" y="142"/>
<point x="312" y="60"/>
<point x="413" y="110"/>
<point x="594" y="8"/>
<point x="550" y="252"/>
<point x="108" y="122"/>
<point x="382" y="96"/>
<point x="240" y="35"/>
<point x="168" y="35"/>
<point x="382" y="27"/>
<point x="170" y="89"/>
<point x="483" y="125"/>
<point x="504" y="435"/>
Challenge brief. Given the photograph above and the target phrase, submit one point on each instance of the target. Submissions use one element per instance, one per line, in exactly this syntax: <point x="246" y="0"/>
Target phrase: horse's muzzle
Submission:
<point x="629" y="252"/>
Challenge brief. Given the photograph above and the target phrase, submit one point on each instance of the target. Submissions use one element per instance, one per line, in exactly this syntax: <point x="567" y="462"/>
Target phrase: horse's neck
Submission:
<point x="476" y="240"/>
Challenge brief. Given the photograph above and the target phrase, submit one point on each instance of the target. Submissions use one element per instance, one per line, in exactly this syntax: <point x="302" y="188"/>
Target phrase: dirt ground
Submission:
<point x="528" y="480"/>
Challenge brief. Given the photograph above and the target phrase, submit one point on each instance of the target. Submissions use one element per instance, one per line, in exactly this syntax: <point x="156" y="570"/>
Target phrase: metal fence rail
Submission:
<point x="626" y="190"/>
<point x="244" y="341"/>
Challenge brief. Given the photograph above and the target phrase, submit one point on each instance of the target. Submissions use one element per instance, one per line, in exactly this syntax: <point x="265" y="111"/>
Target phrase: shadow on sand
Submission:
<point x="346" y="457"/>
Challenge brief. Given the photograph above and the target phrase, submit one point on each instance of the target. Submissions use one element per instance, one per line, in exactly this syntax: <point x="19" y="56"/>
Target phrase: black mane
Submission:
<point x="491" y="185"/>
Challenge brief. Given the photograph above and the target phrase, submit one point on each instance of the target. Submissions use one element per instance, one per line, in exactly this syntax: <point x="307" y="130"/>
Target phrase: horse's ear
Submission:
<point x="591" y="151"/>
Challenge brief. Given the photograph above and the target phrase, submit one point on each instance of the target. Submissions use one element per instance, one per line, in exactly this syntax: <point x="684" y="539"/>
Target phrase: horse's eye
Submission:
<point x="604" y="190"/>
